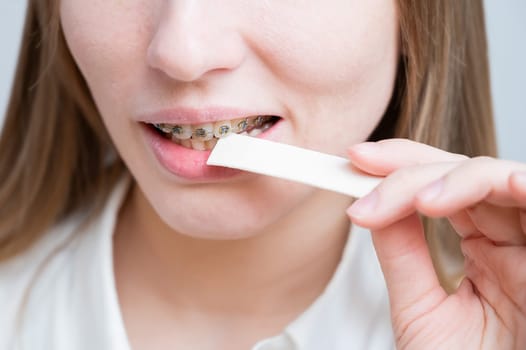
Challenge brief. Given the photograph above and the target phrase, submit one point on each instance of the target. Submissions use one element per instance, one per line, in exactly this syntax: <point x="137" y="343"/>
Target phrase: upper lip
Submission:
<point x="190" y="115"/>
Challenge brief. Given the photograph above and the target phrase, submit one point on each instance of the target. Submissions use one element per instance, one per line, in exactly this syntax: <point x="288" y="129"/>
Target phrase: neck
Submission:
<point x="284" y="268"/>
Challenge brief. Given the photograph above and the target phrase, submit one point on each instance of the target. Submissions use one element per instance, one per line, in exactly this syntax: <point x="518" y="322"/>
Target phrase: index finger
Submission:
<point x="383" y="157"/>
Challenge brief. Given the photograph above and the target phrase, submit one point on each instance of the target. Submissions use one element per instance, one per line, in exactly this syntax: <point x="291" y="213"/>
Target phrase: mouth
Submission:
<point x="203" y="137"/>
<point x="183" y="147"/>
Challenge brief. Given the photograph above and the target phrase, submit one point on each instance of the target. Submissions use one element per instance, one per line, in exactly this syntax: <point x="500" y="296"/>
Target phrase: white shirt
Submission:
<point x="60" y="295"/>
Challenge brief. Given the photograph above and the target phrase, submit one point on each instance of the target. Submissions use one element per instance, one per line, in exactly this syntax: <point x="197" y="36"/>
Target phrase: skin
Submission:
<point x="249" y="254"/>
<point x="488" y="310"/>
<point x="194" y="259"/>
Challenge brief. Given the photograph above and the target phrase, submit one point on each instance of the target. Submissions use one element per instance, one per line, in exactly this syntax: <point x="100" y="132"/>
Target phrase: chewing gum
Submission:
<point x="292" y="163"/>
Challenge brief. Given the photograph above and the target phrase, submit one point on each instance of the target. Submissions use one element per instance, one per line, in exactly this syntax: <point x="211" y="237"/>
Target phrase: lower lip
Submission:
<point x="188" y="163"/>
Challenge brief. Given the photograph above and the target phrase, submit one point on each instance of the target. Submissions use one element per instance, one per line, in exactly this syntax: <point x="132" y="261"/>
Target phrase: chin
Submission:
<point x="232" y="213"/>
<point x="238" y="225"/>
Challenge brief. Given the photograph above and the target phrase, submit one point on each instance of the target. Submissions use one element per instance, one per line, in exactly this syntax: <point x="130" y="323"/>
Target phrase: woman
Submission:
<point x="180" y="255"/>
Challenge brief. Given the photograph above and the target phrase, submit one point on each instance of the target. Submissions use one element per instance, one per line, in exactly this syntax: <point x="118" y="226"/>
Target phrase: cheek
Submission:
<point x="323" y="48"/>
<point x="336" y="67"/>
<point x="106" y="39"/>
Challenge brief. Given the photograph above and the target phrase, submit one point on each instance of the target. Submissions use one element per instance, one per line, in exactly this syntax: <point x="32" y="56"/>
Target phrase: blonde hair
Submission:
<point x="55" y="154"/>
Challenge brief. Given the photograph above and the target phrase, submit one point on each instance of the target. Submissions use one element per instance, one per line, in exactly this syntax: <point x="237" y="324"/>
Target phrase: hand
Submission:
<point x="485" y="201"/>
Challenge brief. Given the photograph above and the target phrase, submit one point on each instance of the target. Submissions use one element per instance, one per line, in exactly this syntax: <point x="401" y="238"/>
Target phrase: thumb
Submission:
<point x="413" y="286"/>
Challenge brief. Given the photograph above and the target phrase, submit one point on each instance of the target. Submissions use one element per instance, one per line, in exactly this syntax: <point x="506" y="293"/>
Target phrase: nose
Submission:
<point x="192" y="39"/>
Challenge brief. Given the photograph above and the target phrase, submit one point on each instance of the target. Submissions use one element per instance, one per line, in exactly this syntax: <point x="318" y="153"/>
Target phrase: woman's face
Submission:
<point x="325" y="68"/>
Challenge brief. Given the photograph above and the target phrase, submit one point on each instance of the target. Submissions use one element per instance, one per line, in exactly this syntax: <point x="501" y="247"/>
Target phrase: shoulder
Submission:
<point x="19" y="274"/>
<point x="62" y="240"/>
<point x="62" y="282"/>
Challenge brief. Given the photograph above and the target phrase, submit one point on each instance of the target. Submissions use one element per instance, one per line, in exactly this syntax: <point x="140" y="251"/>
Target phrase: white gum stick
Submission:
<point x="292" y="163"/>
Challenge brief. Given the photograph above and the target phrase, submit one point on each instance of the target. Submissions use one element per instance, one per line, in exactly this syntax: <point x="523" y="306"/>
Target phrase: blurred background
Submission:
<point x="506" y="24"/>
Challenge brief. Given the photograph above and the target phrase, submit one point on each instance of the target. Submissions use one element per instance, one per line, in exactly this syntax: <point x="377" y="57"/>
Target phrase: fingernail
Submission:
<point x="365" y="148"/>
<point x="364" y="206"/>
<point x="431" y="192"/>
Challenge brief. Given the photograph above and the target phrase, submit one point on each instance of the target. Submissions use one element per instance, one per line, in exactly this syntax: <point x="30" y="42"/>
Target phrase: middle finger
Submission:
<point x="500" y="224"/>
<point x="393" y="199"/>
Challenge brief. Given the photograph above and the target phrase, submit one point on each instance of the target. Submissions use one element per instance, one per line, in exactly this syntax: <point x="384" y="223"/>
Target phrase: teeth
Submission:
<point x="164" y="127"/>
<point x="266" y="126"/>
<point x="176" y="140"/>
<point x="251" y="123"/>
<point x="203" y="132"/>
<point x="210" y="144"/>
<point x="239" y="125"/>
<point x="255" y="132"/>
<point x="205" y="136"/>
<point x="182" y="132"/>
<point x="222" y="129"/>
<point x="198" y="145"/>
<point x="258" y="122"/>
